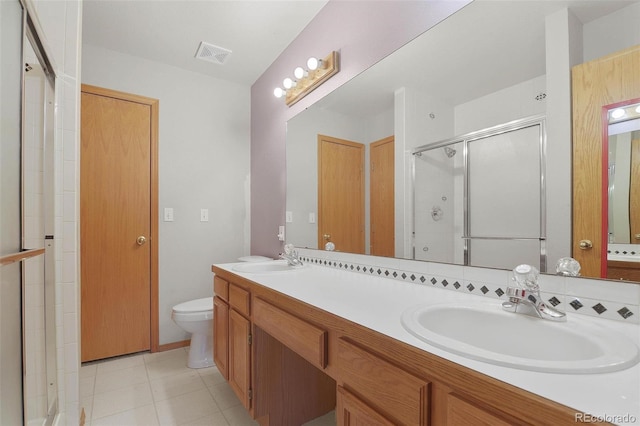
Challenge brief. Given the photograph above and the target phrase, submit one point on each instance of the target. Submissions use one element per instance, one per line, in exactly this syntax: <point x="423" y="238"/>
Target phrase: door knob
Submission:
<point x="326" y="237"/>
<point x="585" y="244"/>
<point x="141" y="240"/>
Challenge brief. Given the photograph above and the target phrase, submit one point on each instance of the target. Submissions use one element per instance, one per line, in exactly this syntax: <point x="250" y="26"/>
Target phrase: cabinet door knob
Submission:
<point x="637" y="236"/>
<point x="586" y="244"/>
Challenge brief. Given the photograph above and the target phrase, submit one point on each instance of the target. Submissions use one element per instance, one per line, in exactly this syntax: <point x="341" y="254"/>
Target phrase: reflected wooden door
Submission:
<point x="117" y="131"/>
<point x="382" y="199"/>
<point x="594" y="85"/>
<point x="341" y="194"/>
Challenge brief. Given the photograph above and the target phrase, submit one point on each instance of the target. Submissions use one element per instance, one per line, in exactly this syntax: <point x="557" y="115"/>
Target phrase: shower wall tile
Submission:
<point x="69" y="298"/>
<point x="69" y="235"/>
<point x="69" y="177"/>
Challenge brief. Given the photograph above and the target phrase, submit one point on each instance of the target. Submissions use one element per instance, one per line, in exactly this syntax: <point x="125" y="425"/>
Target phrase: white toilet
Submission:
<point x="196" y="317"/>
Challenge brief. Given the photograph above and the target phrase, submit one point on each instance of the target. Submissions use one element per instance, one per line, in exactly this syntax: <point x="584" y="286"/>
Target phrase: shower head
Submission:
<point x="449" y="151"/>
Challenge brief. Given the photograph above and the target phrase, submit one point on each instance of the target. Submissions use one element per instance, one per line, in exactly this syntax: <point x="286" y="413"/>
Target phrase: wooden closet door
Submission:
<point x="115" y="225"/>
<point x="341" y="194"/>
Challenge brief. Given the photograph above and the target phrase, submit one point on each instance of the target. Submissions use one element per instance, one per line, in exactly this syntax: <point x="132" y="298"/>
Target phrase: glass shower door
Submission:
<point x="28" y="366"/>
<point x="505" y="194"/>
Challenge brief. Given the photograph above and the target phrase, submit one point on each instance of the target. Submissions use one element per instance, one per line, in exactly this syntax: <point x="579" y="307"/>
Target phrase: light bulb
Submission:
<point x="288" y="83"/>
<point x="313" y="63"/>
<point x="299" y="73"/>
<point x="278" y="92"/>
<point x="617" y="113"/>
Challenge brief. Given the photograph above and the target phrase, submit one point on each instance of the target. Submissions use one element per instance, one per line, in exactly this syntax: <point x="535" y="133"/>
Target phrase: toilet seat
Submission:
<point x="194" y="306"/>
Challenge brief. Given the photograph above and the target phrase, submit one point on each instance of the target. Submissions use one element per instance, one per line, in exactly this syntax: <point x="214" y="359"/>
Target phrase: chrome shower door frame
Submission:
<point x="465" y="139"/>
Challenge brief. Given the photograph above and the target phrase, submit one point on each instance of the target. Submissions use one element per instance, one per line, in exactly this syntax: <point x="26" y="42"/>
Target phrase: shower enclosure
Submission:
<point x="479" y="199"/>
<point x="28" y="364"/>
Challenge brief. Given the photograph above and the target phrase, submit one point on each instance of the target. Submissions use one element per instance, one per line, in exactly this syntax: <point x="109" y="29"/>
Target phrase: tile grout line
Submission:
<point x="153" y="398"/>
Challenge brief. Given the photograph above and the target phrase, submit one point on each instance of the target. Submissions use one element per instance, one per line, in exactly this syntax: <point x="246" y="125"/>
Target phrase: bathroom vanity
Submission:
<point x="294" y="345"/>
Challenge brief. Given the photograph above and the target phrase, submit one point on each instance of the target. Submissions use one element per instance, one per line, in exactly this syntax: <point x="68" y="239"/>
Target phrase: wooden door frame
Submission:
<point x="154" y="240"/>
<point x="595" y="85"/>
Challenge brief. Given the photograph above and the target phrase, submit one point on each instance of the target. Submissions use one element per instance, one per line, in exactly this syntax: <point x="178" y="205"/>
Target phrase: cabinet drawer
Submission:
<point x="306" y="339"/>
<point x="239" y="299"/>
<point x="393" y="392"/>
<point x="221" y="288"/>
<point x="461" y="412"/>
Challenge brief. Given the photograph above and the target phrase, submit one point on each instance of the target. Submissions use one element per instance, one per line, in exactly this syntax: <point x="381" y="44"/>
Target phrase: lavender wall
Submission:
<point x="363" y="32"/>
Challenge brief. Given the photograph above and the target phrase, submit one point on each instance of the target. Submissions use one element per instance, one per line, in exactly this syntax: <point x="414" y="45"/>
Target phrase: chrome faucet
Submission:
<point x="291" y="256"/>
<point x="525" y="297"/>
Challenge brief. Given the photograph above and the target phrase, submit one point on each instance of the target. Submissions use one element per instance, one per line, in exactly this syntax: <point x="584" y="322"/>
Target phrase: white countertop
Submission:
<point x="378" y="303"/>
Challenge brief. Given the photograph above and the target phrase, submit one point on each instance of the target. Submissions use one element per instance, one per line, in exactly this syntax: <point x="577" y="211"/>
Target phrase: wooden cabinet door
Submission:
<point x="240" y="356"/>
<point x="221" y="336"/>
<point x="461" y="412"/>
<point x="350" y="411"/>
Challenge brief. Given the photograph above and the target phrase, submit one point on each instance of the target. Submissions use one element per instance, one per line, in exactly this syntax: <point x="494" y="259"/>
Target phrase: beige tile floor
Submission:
<point x="158" y="389"/>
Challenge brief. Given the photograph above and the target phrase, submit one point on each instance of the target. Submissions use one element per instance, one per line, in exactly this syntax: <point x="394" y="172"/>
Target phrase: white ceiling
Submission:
<point x="169" y="31"/>
<point x="488" y="45"/>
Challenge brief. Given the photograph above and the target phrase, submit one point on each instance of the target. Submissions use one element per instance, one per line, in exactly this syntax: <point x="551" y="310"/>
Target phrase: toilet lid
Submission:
<point x="197" y="305"/>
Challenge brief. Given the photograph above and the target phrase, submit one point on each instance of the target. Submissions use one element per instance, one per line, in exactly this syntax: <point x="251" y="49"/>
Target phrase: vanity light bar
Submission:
<point x="318" y="71"/>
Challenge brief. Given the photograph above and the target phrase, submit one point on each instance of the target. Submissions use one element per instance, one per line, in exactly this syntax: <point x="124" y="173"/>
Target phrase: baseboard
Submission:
<point x="174" y="345"/>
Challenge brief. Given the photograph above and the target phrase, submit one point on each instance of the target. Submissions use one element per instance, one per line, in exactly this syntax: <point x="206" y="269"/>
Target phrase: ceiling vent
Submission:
<point x="211" y="53"/>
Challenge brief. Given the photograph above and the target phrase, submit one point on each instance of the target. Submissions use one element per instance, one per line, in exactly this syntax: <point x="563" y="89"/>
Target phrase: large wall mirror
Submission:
<point x="622" y="186"/>
<point x="483" y="68"/>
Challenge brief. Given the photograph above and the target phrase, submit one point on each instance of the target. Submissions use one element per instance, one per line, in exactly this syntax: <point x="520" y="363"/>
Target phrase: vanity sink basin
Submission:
<point x="484" y="332"/>
<point x="264" y="267"/>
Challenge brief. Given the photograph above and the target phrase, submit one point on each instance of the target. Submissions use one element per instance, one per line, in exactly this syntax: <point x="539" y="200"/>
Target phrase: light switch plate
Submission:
<point x="289" y="217"/>
<point x="312" y="217"/>
<point x="168" y="214"/>
<point x="204" y="215"/>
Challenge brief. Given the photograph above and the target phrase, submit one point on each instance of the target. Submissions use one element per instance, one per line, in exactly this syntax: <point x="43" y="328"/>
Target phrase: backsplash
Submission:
<point x="624" y="252"/>
<point x="613" y="300"/>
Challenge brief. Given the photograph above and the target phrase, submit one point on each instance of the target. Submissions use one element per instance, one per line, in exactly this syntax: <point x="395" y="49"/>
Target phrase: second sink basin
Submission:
<point x="483" y="331"/>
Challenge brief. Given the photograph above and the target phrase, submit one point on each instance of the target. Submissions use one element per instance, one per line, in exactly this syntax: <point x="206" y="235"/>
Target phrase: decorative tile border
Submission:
<point x="628" y="252"/>
<point x="481" y="282"/>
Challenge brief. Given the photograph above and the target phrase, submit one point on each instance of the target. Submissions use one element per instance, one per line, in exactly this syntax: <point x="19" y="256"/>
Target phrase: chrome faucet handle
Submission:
<point x="528" y="294"/>
<point x="291" y="255"/>
<point x="568" y="267"/>
<point x="526" y="276"/>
